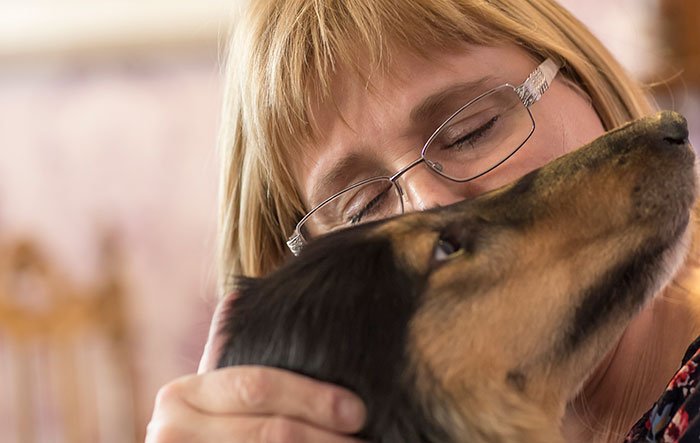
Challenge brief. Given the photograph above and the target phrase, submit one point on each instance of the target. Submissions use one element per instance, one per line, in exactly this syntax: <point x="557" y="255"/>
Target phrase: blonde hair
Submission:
<point x="283" y="53"/>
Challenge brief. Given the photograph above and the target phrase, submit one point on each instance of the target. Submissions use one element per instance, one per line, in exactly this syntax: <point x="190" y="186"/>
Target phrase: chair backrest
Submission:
<point x="68" y="370"/>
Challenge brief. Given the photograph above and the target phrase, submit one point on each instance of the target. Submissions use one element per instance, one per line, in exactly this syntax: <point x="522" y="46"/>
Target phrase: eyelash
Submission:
<point x="474" y="135"/>
<point x="357" y="218"/>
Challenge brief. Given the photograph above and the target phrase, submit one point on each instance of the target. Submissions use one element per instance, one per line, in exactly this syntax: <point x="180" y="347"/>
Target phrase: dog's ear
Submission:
<point x="340" y="313"/>
<point x="228" y="317"/>
<point x="321" y="309"/>
<point x="215" y="340"/>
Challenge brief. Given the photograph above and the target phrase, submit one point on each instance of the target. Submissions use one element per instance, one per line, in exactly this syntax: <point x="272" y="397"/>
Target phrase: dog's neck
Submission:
<point x="635" y="373"/>
<point x="494" y="415"/>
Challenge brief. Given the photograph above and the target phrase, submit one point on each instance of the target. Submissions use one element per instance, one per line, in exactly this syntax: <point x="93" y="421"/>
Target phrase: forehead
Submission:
<point x="367" y="120"/>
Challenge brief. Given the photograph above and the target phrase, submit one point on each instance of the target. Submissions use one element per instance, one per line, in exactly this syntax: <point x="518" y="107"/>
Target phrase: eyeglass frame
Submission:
<point x="529" y="92"/>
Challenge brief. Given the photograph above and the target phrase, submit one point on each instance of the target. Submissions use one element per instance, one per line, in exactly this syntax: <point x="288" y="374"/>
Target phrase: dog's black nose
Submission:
<point x="674" y="128"/>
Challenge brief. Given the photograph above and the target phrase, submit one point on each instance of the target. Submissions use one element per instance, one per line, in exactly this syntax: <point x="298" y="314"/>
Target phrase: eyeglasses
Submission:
<point x="474" y="140"/>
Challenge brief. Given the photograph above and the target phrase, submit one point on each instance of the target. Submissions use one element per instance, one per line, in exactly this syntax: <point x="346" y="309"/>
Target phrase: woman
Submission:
<point x="322" y="94"/>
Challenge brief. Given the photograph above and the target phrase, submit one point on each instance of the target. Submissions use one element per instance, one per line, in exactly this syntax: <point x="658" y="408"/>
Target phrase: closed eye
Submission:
<point x="474" y="136"/>
<point x="367" y="208"/>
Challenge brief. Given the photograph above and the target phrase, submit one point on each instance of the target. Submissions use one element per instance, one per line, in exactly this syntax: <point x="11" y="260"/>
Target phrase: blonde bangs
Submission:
<point x="285" y="55"/>
<point x="303" y="45"/>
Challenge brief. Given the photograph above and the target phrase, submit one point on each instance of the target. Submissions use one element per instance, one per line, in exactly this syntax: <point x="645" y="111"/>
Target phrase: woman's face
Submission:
<point x="371" y="131"/>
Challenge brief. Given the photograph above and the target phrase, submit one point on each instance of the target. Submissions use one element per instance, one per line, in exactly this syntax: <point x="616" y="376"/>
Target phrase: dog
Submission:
<point x="477" y="321"/>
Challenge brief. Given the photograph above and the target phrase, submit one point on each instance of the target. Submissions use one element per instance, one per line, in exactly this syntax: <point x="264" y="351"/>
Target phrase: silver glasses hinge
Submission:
<point x="537" y="83"/>
<point x="295" y="243"/>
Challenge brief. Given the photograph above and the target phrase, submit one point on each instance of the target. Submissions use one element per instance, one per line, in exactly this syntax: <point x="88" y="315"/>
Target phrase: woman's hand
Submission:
<point x="251" y="404"/>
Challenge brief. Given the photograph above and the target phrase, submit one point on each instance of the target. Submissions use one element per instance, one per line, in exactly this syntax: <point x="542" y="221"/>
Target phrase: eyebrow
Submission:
<point x="324" y="188"/>
<point x="438" y="103"/>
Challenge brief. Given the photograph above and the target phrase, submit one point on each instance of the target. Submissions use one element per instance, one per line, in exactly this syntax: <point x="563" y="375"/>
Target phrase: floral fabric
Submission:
<point x="675" y="417"/>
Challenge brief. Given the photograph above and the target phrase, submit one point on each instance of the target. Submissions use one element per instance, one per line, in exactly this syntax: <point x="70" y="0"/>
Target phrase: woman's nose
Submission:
<point x="425" y="189"/>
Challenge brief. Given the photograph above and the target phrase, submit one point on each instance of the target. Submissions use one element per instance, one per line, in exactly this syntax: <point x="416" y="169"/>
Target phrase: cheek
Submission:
<point x="534" y="154"/>
<point x="564" y="121"/>
<point x="563" y="124"/>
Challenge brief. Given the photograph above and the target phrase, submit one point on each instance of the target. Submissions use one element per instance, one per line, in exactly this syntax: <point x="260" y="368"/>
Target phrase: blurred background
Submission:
<point x="108" y="119"/>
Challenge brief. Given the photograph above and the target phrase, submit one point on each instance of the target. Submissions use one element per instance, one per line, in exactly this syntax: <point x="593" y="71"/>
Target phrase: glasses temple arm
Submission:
<point x="538" y="82"/>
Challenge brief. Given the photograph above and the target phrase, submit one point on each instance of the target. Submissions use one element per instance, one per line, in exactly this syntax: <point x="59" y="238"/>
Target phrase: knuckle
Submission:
<point x="168" y="394"/>
<point x="279" y="430"/>
<point x="253" y="388"/>
<point x="174" y="391"/>
<point x="164" y="432"/>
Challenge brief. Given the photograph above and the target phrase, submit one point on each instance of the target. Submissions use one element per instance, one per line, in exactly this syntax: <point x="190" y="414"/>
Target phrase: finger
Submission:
<point x="244" y="429"/>
<point x="211" y="352"/>
<point x="279" y="430"/>
<point x="256" y="390"/>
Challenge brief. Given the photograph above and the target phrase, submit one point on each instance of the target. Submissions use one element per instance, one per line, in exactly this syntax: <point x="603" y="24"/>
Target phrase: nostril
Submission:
<point x="676" y="141"/>
<point x="674" y="128"/>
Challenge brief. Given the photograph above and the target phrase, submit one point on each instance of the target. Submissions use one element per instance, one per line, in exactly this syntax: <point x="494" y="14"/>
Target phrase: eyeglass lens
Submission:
<point x="480" y="136"/>
<point x="374" y="200"/>
<point x="472" y="142"/>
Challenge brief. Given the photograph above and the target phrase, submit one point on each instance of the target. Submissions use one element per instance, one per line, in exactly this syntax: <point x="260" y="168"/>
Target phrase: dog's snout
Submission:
<point x="674" y="128"/>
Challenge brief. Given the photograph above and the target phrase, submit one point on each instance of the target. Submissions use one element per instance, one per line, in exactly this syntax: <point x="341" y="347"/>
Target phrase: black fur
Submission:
<point x="621" y="289"/>
<point x="348" y="328"/>
<point x="341" y="311"/>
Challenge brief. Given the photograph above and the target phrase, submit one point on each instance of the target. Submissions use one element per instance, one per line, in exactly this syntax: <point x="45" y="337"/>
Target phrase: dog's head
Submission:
<point x="477" y="321"/>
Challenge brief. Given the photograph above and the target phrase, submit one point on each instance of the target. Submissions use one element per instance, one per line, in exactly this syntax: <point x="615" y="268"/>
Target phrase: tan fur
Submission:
<point x="486" y="341"/>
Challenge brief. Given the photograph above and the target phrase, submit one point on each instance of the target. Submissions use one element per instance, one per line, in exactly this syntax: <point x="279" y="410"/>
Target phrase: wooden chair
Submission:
<point x="65" y="345"/>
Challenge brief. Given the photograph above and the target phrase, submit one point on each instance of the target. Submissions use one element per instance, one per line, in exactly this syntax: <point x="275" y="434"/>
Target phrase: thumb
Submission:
<point x="212" y="348"/>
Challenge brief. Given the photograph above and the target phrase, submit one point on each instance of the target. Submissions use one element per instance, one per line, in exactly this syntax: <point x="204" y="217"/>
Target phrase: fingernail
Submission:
<point x="352" y="412"/>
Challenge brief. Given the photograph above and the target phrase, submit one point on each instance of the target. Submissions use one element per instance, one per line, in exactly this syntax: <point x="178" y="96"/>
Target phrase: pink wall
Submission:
<point x="126" y="146"/>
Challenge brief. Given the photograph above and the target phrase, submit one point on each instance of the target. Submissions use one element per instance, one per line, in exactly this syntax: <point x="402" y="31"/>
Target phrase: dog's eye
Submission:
<point x="445" y="248"/>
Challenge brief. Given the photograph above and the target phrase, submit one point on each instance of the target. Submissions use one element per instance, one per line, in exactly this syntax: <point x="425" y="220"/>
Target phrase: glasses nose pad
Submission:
<point x="426" y="189"/>
<point x="399" y="191"/>
<point x="434" y="165"/>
